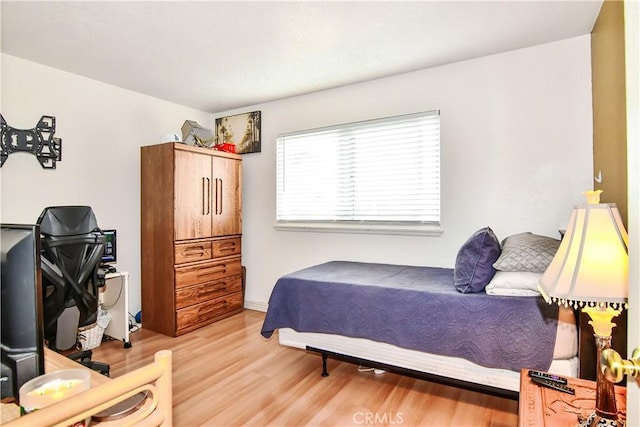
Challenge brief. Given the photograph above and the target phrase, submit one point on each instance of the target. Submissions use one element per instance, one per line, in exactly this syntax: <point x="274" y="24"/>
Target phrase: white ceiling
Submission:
<point x="221" y="55"/>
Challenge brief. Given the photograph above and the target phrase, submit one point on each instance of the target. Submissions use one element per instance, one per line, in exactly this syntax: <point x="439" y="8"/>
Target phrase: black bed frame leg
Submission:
<point x="325" y="373"/>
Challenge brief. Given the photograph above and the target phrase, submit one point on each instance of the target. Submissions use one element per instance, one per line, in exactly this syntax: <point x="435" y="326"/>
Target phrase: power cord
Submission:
<point x="376" y="371"/>
<point x="133" y="326"/>
<point x="108" y="306"/>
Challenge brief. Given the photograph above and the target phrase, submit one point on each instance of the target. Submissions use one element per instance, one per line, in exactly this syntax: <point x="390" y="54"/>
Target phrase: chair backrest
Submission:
<point x="67" y="221"/>
<point x="72" y="246"/>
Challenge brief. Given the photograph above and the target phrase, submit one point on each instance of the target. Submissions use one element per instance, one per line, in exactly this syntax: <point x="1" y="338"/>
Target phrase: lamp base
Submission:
<point x="595" y="420"/>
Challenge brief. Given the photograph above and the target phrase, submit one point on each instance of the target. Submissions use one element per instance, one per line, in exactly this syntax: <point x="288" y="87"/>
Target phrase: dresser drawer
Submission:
<point x="226" y="247"/>
<point x="193" y="251"/>
<point x="207" y="291"/>
<point x="202" y="312"/>
<point x="207" y="272"/>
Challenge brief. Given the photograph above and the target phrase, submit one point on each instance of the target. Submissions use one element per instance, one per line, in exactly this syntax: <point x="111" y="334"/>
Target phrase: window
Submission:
<point x="377" y="175"/>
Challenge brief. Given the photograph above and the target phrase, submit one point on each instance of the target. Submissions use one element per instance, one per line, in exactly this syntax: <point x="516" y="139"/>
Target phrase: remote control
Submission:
<point x="548" y="376"/>
<point x="554" y="385"/>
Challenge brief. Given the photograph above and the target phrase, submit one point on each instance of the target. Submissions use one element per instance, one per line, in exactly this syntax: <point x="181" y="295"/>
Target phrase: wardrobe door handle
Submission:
<point x="203" y="213"/>
<point x="216" y="195"/>
<point x="218" y="198"/>
<point x="221" y="189"/>
<point x="208" y="196"/>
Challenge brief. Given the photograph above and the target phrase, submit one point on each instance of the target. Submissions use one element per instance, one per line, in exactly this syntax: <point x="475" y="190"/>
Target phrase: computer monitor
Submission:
<point x="109" y="255"/>
<point x="22" y="333"/>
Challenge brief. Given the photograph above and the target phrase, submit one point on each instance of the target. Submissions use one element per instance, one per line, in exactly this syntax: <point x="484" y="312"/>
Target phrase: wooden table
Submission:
<point x="541" y="406"/>
<point x="54" y="362"/>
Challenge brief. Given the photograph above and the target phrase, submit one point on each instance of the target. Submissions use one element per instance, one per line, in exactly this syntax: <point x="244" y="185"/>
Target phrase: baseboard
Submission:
<point x="255" y="305"/>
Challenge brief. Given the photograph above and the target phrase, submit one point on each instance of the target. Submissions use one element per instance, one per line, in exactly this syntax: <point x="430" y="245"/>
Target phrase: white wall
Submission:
<point x="102" y="128"/>
<point x="516" y="155"/>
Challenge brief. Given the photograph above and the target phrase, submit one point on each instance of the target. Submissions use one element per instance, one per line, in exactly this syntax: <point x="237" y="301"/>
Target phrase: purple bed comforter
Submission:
<point x="416" y="308"/>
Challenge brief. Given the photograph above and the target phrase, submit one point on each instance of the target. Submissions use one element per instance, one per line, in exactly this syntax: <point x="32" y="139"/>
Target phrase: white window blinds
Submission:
<point x="384" y="171"/>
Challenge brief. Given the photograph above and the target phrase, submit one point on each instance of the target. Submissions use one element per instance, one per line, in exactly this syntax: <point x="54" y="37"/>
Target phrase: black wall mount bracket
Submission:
<point x="38" y="141"/>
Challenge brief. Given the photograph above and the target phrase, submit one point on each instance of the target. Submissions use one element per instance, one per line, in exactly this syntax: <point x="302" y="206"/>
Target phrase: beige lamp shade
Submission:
<point x="591" y="265"/>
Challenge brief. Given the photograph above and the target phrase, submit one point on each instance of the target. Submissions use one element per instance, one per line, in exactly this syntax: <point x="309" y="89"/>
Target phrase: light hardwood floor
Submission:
<point x="227" y="374"/>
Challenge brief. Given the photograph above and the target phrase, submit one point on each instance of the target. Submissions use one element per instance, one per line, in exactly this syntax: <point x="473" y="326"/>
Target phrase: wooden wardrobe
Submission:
<point x="191" y="228"/>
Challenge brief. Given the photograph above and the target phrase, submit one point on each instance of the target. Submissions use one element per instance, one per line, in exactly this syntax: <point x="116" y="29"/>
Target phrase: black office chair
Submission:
<point x="72" y="246"/>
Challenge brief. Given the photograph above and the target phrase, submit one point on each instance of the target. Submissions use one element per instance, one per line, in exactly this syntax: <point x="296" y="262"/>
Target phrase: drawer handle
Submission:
<point x="206" y="291"/>
<point x="209" y="308"/>
<point x="193" y="250"/>
<point x="220" y="268"/>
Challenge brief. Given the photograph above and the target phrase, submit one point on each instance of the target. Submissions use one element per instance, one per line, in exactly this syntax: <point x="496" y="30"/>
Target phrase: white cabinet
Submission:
<point x="114" y="298"/>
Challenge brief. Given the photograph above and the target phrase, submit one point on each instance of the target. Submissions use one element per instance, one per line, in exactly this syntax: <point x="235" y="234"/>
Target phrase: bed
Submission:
<point x="414" y="320"/>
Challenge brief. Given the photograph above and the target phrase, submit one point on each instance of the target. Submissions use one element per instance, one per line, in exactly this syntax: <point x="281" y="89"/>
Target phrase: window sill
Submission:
<point x="415" y="230"/>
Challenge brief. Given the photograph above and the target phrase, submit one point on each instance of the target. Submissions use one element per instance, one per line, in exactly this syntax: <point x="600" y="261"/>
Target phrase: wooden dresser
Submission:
<point x="191" y="227"/>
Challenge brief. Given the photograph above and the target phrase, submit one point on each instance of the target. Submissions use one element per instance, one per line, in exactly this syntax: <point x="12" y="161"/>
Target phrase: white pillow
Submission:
<point x="514" y="283"/>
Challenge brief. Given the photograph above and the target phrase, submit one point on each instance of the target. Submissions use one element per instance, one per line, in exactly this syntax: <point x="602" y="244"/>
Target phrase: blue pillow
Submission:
<point x="474" y="262"/>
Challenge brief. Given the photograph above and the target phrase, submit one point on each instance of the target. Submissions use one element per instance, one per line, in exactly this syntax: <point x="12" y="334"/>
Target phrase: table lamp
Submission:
<point x="590" y="271"/>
